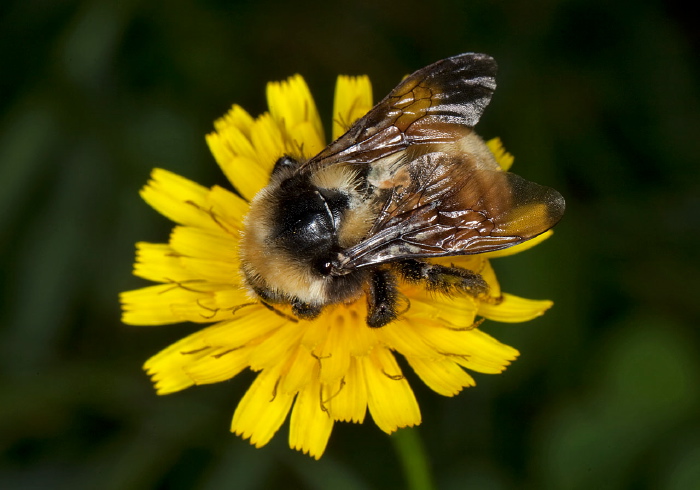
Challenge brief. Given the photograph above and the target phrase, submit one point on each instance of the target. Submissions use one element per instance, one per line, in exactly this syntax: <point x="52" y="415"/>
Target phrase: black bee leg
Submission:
<point x="442" y="278"/>
<point x="284" y="162"/>
<point x="382" y="299"/>
<point x="304" y="310"/>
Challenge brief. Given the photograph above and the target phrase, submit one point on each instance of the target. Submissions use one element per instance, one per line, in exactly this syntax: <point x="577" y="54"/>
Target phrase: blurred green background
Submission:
<point x="597" y="99"/>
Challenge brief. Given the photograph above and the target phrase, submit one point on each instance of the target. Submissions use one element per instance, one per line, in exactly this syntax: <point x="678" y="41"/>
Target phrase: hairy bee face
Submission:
<point x="295" y="233"/>
<point x="407" y="182"/>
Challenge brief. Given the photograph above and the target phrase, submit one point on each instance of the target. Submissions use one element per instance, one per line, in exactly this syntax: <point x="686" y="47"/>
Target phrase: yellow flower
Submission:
<point x="334" y="367"/>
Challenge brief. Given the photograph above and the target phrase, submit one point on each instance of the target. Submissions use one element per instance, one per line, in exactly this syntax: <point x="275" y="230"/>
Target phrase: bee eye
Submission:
<point x="324" y="266"/>
<point x="284" y="162"/>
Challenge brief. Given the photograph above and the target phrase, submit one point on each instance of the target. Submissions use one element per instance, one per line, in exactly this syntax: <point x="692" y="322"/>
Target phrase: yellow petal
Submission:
<point x="189" y="241"/>
<point x="262" y="410"/>
<point x="268" y="140"/>
<point x="178" y="354"/>
<point x="519" y="248"/>
<point x="160" y="263"/>
<point x="470" y="262"/>
<point x="351" y="319"/>
<point x="389" y="396"/>
<point x="403" y="336"/>
<point x="239" y="160"/>
<point x="211" y="308"/>
<point x="310" y="425"/>
<point x="442" y="375"/>
<point x="195" y="360"/>
<point x="362" y="339"/>
<point x="219" y="365"/>
<point x="303" y="141"/>
<point x="456" y="311"/>
<point x="487" y="355"/>
<point x="237" y="118"/>
<point x="172" y="380"/>
<point x="234" y="151"/>
<point x="513" y="309"/>
<point x="168" y="368"/>
<point x="485" y="365"/>
<point x="215" y="271"/>
<point x="503" y="158"/>
<point x="291" y="104"/>
<point x="489" y="276"/>
<point x="353" y="99"/>
<point x="229" y="142"/>
<point x="348" y="397"/>
<point x="177" y="198"/>
<point x="472" y="348"/>
<point x="229" y="210"/>
<point x="248" y="176"/>
<point x="249" y="325"/>
<point x="300" y="367"/>
<point x="152" y="305"/>
<point x="276" y="346"/>
<point x="248" y="157"/>
<point x="334" y="355"/>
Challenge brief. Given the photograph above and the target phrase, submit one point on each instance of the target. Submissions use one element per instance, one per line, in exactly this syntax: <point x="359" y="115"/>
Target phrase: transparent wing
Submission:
<point x="453" y="207"/>
<point x="426" y="107"/>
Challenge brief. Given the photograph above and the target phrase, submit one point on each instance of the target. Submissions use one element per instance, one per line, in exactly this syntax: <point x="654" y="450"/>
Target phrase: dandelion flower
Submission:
<point x="333" y="368"/>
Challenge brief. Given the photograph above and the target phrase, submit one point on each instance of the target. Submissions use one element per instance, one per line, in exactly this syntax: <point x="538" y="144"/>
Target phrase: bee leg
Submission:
<point x="381" y="299"/>
<point x="442" y="278"/>
<point x="305" y="311"/>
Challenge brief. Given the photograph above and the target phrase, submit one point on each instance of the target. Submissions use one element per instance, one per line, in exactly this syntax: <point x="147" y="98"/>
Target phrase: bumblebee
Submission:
<point x="408" y="182"/>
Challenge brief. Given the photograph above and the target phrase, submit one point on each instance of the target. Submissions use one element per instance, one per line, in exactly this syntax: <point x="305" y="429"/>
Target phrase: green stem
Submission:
<point x="416" y="467"/>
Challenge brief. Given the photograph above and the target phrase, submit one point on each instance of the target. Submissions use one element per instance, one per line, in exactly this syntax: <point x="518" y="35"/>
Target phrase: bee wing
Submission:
<point x="426" y="107"/>
<point x="455" y="207"/>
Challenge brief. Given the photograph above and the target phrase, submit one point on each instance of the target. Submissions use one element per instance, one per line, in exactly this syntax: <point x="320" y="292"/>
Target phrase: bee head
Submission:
<point x="290" y="248"/>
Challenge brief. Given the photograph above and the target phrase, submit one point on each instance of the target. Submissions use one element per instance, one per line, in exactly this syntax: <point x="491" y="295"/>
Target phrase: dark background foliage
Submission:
<point x="597" y="99"/>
